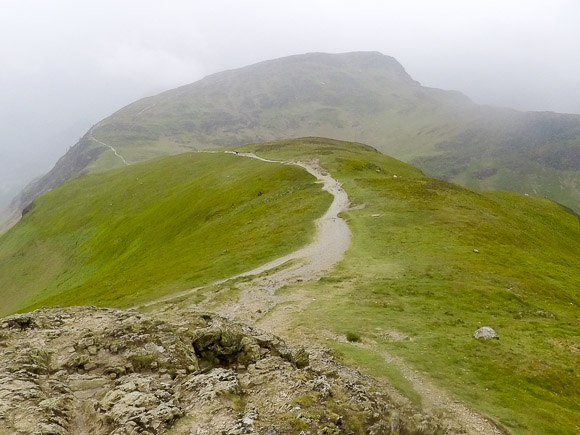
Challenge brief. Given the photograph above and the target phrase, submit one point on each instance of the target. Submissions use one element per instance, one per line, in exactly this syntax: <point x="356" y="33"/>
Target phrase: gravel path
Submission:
<point x="331" y="241"/>
<point x="332" y="237"/>
<point x="258" y="298"/>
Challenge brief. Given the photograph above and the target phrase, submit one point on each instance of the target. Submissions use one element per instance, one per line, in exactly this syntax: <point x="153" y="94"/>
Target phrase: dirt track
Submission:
<point x="332" y="235"/>
<point x="259" y="304"/>
<point x="111" y="148"/>
<point x="330" y="242"/>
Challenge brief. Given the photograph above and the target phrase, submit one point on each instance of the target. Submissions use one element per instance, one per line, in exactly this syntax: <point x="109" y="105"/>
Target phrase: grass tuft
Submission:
<point x="353" y="337"/>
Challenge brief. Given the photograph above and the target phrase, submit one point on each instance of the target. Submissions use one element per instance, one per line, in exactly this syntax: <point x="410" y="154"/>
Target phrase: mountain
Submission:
<point x="428" y="263"/>
<point x="363" y="96"/>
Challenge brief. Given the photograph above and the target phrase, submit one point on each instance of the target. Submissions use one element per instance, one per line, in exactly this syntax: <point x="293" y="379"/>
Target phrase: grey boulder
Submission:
<point x="485" y="333"/>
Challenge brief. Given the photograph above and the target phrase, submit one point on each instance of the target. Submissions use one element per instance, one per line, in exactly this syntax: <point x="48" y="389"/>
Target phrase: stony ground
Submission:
<point x="103" y="371"/>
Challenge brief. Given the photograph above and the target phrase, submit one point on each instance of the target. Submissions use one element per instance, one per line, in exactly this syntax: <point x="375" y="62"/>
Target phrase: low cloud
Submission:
<point x="66" y="62"/>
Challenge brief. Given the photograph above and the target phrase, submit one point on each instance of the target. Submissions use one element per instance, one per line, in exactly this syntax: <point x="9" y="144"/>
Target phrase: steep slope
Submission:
<point x="365" y="97"/>
<point x="130" y="235"/>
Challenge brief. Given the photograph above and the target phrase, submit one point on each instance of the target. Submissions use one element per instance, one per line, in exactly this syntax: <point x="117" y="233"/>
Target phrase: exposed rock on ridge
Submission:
<point x="104" y="371"/>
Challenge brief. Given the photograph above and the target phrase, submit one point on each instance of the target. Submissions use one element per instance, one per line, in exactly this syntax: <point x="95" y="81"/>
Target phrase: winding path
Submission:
<point x="331" y="241"/>
<point x="112" y="149"/>
<point x="332" y="237"/>
<point x="258" y="298"/>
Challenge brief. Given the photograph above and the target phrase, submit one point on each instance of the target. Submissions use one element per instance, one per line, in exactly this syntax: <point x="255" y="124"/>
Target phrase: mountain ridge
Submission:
<point x="360" y="96"/>
<point x="82" y="153"/>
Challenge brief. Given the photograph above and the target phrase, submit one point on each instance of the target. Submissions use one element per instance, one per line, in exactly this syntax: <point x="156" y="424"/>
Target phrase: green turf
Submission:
<point x="412" y="269"/>
<point x="134" y="234"/>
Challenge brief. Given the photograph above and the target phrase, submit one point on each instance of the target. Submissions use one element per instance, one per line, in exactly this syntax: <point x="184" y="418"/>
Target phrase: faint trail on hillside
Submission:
<point x="330" y="242"/>
<point x="111" y="148"/>
<point x="433" y="398"/>
<point x="145" y="109"/>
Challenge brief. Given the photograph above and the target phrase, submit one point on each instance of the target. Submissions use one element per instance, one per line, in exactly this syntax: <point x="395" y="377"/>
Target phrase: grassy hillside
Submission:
<point x="126" y="236"/>
<point x="365" y="97"/>
<point x="411" y="285"/>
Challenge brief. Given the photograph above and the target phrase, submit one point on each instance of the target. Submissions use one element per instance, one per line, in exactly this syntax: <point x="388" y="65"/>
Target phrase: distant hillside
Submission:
<point x="362" y="96"/>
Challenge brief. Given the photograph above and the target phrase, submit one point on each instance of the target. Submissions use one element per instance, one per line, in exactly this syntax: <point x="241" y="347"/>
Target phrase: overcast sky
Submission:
<point x="66" y="64"/>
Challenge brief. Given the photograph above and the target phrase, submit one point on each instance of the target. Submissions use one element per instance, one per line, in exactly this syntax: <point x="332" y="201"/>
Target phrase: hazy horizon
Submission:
<point x="68" y="65"/>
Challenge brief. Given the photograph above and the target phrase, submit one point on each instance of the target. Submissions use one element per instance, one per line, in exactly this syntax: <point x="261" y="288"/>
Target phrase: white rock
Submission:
<point x="485" y="333"/>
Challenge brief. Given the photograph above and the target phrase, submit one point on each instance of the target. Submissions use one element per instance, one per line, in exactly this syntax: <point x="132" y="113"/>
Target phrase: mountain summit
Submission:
<point x="363" y="97"/>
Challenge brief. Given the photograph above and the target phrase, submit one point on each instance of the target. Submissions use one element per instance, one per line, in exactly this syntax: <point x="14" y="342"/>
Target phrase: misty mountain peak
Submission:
<point x="365" y="62"/>
<point x="363" y="97"/>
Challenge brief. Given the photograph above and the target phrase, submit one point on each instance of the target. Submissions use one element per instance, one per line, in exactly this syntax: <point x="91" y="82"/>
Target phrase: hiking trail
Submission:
<point x="322" y="253"/>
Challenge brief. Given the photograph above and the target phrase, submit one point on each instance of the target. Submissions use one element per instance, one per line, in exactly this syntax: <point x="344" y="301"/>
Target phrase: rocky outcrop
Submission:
<point x="104" y="371"/>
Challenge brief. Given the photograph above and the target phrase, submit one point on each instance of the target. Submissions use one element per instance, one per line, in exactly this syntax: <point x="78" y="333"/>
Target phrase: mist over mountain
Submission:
<point x="361" y="96"/>
<point x="289" y="217"/>
<point x="19" y="166"/>
<point x="66" y="61"/>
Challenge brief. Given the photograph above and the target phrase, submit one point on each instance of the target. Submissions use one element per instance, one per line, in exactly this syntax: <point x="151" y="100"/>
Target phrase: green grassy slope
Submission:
<point x="126" y="236"/>
<point x="365" y="97"/>
<point x="412" y="285"/>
